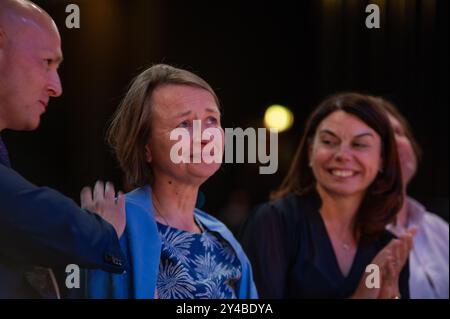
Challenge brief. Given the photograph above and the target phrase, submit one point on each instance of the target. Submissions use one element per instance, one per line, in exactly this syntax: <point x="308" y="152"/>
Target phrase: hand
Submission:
<point x="390" y="260"/>
<point x="105" y="204"/>
<point x="395" y="261"/>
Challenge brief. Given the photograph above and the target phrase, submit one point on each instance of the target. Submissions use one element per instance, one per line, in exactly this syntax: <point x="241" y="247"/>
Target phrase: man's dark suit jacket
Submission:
<point x="41" y="227"/>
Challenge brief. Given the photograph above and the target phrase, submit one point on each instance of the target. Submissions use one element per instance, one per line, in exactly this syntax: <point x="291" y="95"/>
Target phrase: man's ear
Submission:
<point x="148" y="153"/>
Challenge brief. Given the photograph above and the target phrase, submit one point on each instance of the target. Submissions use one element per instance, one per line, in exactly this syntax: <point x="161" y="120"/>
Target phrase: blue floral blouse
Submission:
<point x="196" y="266"/>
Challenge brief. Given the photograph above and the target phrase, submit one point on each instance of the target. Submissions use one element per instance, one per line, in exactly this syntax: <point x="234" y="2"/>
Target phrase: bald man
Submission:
<point x="40" y="228"/>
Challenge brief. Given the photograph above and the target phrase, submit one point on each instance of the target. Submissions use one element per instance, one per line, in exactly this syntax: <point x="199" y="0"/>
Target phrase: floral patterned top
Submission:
<point x="196" y="266"/>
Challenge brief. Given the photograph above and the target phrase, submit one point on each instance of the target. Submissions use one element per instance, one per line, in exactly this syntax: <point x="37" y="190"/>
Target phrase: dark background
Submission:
<point x="253" y="55"/>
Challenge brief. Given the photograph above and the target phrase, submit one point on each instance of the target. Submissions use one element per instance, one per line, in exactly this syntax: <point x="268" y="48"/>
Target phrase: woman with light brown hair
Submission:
<point x="326" y="223"/>
<point x="176" y="251"/>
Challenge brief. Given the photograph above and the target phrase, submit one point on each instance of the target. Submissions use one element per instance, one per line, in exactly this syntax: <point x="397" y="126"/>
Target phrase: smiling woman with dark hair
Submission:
<point x="327" y="221"/>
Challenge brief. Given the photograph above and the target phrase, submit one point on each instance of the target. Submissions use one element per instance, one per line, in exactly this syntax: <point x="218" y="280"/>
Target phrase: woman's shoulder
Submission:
<point x="284" y="217"/>
<point x="426" y="219"/>
<point x="138" y="210"/>
<point x="135" y="211"/>
<point x="289" y="208"/>
<point x="435" y="223"/>
<point x="430" y="224"/>
<point x="138" y="197"/>
<point x="436" y="231"/>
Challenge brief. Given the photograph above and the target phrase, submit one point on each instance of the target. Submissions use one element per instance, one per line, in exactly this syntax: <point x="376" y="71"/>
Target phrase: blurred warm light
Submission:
<point x="278" y="117"/>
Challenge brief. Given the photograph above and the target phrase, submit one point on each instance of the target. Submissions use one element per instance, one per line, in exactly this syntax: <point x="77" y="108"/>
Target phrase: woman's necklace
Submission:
<point x="346" y="245"/>
<point x="158" y="213"/>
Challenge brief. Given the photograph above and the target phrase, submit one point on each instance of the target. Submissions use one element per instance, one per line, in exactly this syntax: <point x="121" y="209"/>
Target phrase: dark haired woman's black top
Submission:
<point x="292" y="255"/>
